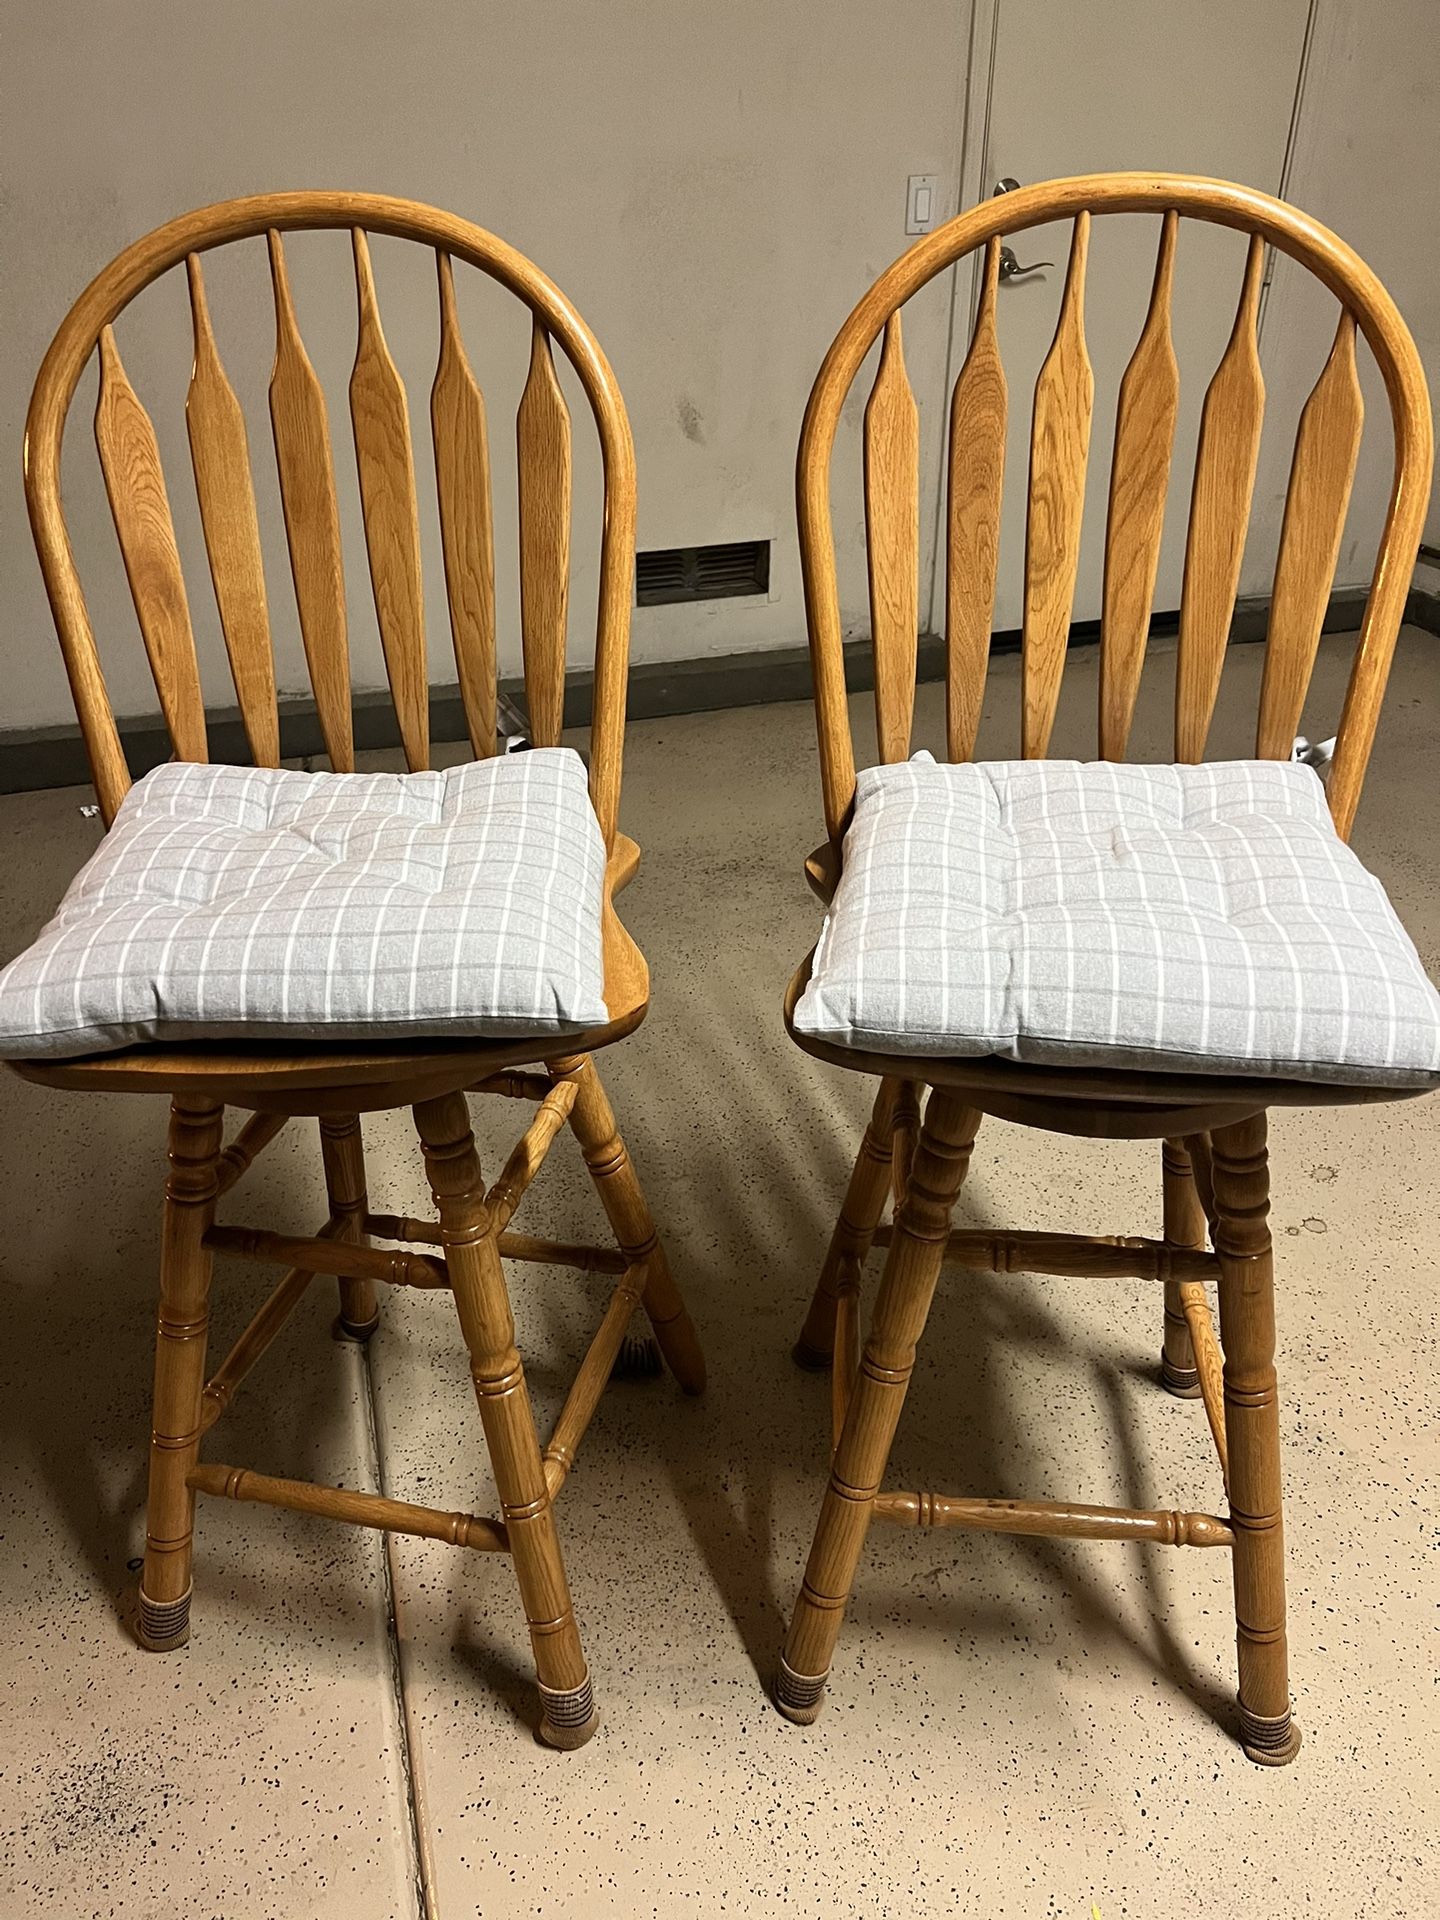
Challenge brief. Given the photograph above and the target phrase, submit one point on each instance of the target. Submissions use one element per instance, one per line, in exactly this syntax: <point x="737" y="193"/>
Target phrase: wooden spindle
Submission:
<point x="312" y="518"/>
<point x="542" y="432"/>
<point x="1219" y="516"/>
<point x="1139" y="477"/>
<point x="892" y="534"/>
<point x="462" y="483"/>
<point x="1059" y="451"/>
<point x="140" y="508"/>
<point x="1252" y="1428"/>
<point x="380" y="415"/>
<point x="1327" y="446"/>
<point x="976" y="482"/>
<point x="220" y="455"/>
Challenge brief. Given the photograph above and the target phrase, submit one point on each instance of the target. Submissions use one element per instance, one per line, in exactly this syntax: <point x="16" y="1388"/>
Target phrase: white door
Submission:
<point x="1176" y="86"/>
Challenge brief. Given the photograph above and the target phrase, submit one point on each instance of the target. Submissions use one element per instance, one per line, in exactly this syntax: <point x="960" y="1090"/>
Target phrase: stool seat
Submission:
<point x="1191" y="919"/>
<point x="260" y="904"/>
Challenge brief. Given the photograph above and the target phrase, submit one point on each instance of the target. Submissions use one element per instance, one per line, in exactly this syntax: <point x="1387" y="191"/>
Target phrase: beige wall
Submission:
<point x="712" y="185"/>
<point x="1366" y="161"/>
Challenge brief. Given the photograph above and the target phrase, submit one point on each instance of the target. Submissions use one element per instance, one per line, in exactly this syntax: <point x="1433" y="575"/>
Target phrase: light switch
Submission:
<point x="922" y="195"/>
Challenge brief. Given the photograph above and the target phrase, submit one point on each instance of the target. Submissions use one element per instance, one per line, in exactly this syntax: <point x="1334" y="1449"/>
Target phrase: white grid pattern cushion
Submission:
<point x="1202" y="919"/>
<point x="254" y="903"/>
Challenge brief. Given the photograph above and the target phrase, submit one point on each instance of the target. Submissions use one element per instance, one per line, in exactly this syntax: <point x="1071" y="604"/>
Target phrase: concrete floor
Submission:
<point x="1015" y="1728"/>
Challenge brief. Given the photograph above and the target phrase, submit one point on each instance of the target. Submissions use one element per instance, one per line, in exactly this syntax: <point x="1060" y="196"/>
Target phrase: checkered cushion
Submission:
<point x="1201" y="918"/>
<point x="252" y="903"/>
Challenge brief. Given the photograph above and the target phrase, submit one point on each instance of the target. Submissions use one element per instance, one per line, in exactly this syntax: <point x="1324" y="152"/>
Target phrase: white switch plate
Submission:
<point x="922" y="202"/>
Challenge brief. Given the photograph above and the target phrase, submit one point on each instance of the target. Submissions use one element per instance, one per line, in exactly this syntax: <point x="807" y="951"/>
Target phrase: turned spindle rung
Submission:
<point x="357" y="1509"/>
<point x="1079" y="1256"/>
<point x="1056" y="1519"/>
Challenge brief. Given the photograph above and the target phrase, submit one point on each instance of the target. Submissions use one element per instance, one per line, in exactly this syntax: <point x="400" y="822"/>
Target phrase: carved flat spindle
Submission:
<point x="462" y="482"/>
<point x="1059" y="450"/>
<point x="1139" y="477"/>
<point x="140" y="507"/>
<point x="892" y="534"/>
<point x="1321" y="474"/>
<point x="977" y="475"/>
<point x="1219" y="516"/>
<point x="383" y="457"/>
<point x="542" y="432"/>
<point x="220" y="455"/>
<point x="312" y="518"/>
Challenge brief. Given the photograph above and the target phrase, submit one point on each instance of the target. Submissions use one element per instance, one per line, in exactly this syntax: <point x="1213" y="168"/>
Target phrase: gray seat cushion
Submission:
<point x="255" y="903"/>
<point x="1201" y="918"/>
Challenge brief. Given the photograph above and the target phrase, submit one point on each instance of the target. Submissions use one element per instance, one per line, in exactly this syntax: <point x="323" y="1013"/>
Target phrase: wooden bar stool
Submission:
<point x="335" y="944"/>
<point x="1097" y="949"/>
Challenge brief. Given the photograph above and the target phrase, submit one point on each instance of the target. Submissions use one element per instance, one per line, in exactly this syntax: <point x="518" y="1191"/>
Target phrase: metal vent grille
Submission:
<point x="702" y="573"/>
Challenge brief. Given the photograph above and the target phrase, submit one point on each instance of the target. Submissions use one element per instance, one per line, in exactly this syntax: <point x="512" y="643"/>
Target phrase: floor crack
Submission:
<point x="412" y="1766"/>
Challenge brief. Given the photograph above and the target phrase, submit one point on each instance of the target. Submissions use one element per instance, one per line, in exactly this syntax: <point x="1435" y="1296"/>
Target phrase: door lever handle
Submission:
<point x="1011" y="269"/>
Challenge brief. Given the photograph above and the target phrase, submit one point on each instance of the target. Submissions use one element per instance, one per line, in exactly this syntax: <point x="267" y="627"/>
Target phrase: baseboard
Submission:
<point x="38" y="757"/>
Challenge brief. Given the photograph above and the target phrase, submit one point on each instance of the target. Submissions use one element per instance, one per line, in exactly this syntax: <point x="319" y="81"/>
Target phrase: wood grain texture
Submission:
<point x="1055" y="1519"/>
<point x="301" y="427"/>
<point x="607" y="1159"/>
<point x="1225" y="462"/>
<point x="1187" y="1110"/>
<point x="356" y="1509"/>
<point x="140" y="507"/>
<point x="1240" y="1167"/>
<point x="1218" y="202"/>
<point x="976" y="479"/>
<point x="186" y="1268"/>
<point x="1139" y="478"/>
<point x="487" y="1324"/>
<point x="1059" y="450"/>
<point x="855" y="1229"/>
<point x="220" y="455"/>
<point x="340" y="1082"/>
<point x="542" y="433"/>
<point x="260" y="214"/>
<point x="380" y="415"/>
<point x="1322" y="472"/>
<point x="873" y="1408"/>
<point x="462" y="483"/>
<point x="1184" y="1228"/>
<point x="892" y="539"/>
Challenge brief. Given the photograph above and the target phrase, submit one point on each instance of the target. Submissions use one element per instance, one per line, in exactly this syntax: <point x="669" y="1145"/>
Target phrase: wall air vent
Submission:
<point x="702" y="573"/>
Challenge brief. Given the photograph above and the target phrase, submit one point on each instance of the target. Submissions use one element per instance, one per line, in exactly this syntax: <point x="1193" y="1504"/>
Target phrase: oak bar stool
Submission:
<point x="419" y="853"/>
<point x="1116" y="906"/>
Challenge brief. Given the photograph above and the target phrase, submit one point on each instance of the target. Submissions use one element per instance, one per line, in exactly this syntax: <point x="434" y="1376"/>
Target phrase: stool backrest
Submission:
<point x="1319" y="489"/>
<point x="135" y="484"/>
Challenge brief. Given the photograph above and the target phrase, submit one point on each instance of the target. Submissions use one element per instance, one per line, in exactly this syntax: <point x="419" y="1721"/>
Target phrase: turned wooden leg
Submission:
<point x="344" y="1154"/>
<point x="901" y="1308"/>
<point x="628" y="1212"/>
<point x="860" y="1215"/>
<point x="1184" y="1227"/>
<point x="1252" y="1427"/>
<point x="567" y="1708"/>
<point x="185" y="1266"/>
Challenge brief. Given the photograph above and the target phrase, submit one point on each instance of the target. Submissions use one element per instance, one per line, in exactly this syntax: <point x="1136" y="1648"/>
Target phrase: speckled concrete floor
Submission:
<point x="1016" y="1728"/>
